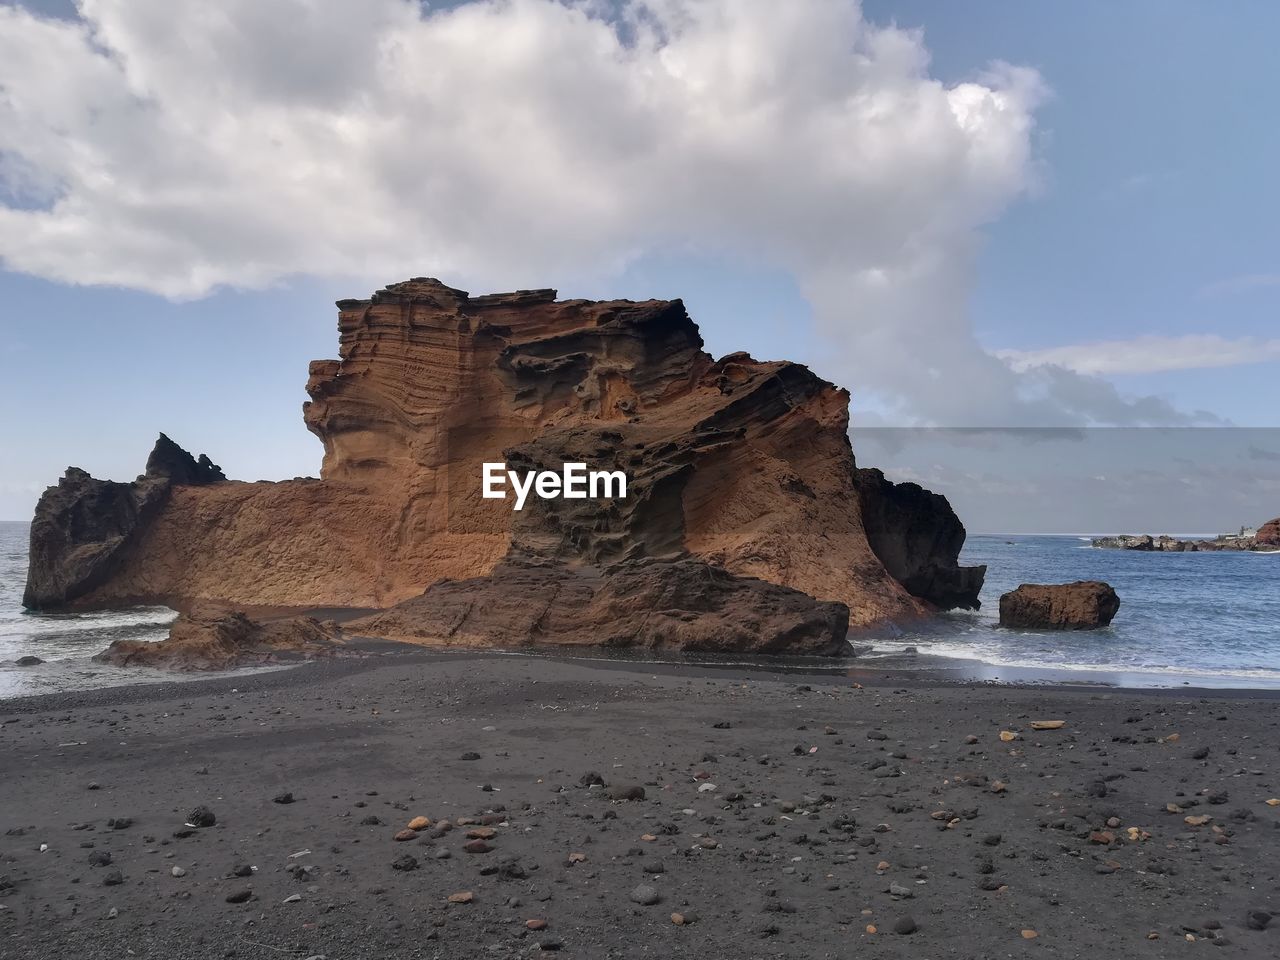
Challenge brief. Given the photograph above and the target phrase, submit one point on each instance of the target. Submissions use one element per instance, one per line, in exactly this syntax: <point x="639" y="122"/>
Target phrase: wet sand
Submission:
<point x="783" y="815"/>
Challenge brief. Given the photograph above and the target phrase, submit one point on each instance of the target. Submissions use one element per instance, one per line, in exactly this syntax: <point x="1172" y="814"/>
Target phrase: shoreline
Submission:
<point x="918" y="672"/>
<point x="775" y="815"/>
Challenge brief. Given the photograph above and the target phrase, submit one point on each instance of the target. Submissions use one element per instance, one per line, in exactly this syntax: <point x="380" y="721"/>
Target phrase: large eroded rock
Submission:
<point x="741" y="464"/>
<point x="917" y="537"/>
<point x="219" y="640"/>
<point x="683" y="605"/>
<point x="1083" y="605"/>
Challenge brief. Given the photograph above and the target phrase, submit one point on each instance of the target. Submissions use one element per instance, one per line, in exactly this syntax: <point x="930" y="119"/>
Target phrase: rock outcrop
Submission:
<point x="1083" y="605"/>
<point x="83" y="525"/>
<point x="1267" y="537"/>
<point x="682" y="605"/>
<point x="917" y="537"/>
<point x="220" y="640"/>
<point x="741" y="465"/>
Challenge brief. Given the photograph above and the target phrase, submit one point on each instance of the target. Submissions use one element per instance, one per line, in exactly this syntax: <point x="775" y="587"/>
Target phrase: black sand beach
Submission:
<point x="779" y="818"/>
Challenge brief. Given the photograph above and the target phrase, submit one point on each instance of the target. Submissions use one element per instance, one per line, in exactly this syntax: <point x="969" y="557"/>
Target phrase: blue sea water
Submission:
<point x="1209" y="615"/>
<point x="1212" y="617"/>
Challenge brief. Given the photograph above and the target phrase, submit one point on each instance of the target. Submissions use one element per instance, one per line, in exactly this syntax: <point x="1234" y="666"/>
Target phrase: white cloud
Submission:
<point x="1149" y="354"/>
<point x="177" y="146"/>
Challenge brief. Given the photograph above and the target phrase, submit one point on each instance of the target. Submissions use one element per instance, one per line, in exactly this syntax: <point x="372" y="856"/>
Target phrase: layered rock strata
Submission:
<point x="737" y="468"/>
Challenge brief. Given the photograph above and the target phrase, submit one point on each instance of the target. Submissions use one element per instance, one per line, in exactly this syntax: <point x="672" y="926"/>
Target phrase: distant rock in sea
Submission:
<point x="746" y="524"/>
<point x="1266" y="537"/>
<point x="1083" y="605"/>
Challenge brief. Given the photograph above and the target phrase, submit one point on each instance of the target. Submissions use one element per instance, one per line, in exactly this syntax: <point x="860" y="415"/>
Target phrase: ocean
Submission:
<point x="1200" y="618"/>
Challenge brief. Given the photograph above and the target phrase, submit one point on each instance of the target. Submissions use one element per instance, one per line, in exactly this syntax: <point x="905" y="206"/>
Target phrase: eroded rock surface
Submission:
<point x="683" y="605"/>
<point x="742" y="465"/>
<point x="219" y="640"/>
<point x="917" y="537"/>
<point x="1083" y="605"/>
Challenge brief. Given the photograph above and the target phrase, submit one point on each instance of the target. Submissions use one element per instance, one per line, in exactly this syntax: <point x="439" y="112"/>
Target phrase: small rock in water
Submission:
<point x="28" y="661"/>
<point x="645" y="895"/>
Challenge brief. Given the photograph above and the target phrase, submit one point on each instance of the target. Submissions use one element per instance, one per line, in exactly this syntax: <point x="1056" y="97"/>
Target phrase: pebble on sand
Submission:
<point x="464" y="896"/>
<point x="905" y="925"/>
<point x="240" y="896"/>
<point x="645" y="895"/>
<point x="535" y="924"/>
<point x="201" y="816"/>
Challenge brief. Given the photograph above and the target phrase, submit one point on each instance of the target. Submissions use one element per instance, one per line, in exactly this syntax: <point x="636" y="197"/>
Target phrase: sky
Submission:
<point x="1000" y="215"/>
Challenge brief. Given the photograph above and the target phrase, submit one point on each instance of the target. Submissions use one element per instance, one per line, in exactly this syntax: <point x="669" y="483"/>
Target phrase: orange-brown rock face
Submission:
<point x="743" y="465"/>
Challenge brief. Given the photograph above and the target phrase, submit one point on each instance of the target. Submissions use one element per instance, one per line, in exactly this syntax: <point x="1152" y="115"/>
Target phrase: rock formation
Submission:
<point x="219" y="640"/>
<point x="737" y="466"/>
<point x="83" y="525"/>
<point x="1267" y="537"/>
<point x="917" y="537"/>
<point x="1083" y="605"/>
<point x="686" y="605"/>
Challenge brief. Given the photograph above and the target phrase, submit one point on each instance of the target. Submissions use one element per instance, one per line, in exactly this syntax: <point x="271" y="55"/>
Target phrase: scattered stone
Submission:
<point x="470" y="755"/>
<point x="477" y="846"/>
<point x="626" y="792"/>
<point x="99" y="858"/>
<point x="465" y="896"/>
<point x="178" y="871"/>
<point x="1257" y="919"/>
<point x="201" y="817"/>
<point x="905" y="925"/>
<point x="242" y="870"/>
<point x="1029" y="934"/>
<point x="645" y="895"/>
<point x="536" y="924"/>
<point x="114" y="878"/>
<point x="28" y="661"/>
<point x="404" y="835"/>
<point x="282" y="798"/>
<point x="1048" y="724"/>
<point x="406" y="861"/>
<point x="243" y="895"/>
